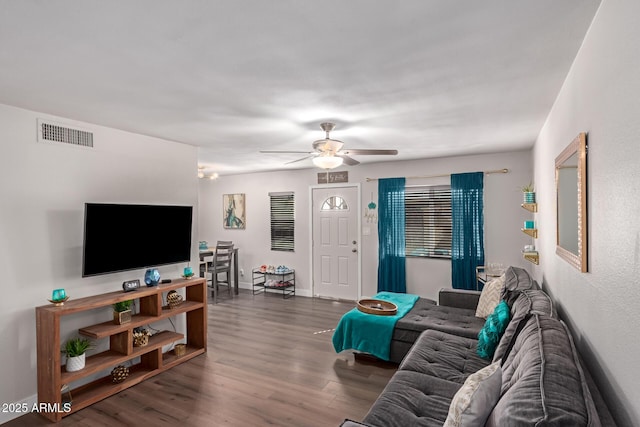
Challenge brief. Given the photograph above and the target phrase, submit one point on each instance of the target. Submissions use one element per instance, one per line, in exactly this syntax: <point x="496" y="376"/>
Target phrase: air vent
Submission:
<point x="59" y="133"/>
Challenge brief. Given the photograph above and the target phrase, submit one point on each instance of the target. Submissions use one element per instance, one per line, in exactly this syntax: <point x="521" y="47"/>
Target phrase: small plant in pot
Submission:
<point x="122" y="312"/>
<point x="528" y="193"/>
<point x="75" y="350"/>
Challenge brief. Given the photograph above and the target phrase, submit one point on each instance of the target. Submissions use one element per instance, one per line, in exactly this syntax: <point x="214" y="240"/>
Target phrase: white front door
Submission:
<point x="336" y="262"/>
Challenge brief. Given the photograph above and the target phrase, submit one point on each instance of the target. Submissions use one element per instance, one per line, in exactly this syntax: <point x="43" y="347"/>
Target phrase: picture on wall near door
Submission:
<point x="234" y="214"/>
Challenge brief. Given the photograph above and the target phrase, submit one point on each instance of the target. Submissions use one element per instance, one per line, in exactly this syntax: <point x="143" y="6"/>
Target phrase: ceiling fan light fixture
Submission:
<point x="327" y="162"/>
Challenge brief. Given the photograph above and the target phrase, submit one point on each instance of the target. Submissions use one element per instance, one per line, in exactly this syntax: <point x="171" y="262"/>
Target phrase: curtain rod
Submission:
<point x="505" y="170"/>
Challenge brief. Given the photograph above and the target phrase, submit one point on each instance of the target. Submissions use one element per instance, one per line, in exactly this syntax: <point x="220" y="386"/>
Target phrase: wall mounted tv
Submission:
<point x="120" y="237"/>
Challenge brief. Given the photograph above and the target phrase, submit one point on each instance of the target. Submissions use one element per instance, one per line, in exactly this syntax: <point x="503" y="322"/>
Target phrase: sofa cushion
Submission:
<point x="409" y="327"/>
<point x="474" y="401"/>
<point x="445" y="356"/>
<point x="490" y="297"/>
<point x="516" y="280"/>
<point x="528" y="301"/>
<point x="492" y="331"/>
<point x="412" y="399"/>
<point x="350" y="423"/>
<point x="541" y="383"/>
<point x="456" y="321"/>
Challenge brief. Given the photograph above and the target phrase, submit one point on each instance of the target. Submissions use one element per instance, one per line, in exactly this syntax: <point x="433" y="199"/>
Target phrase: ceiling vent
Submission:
<point x="59" y="133"/>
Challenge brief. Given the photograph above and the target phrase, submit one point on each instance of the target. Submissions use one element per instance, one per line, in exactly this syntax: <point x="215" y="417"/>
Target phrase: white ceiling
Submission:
<point x="430" y="78"/>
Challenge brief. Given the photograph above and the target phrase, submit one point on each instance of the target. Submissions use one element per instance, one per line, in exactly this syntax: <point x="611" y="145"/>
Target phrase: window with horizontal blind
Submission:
<point x="428" y="221"/>
<point x="282" y="221"/>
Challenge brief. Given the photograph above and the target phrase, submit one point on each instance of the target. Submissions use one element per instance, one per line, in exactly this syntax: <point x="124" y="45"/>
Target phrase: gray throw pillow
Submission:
<point x="475" y="400"/>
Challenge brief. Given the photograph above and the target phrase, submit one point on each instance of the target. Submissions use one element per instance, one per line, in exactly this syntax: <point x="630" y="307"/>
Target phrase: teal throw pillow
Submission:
<point x="494" y="327"/>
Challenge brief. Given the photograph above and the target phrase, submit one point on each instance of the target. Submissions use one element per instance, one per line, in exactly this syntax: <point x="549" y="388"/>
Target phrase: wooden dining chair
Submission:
<point x="221" y="265"/>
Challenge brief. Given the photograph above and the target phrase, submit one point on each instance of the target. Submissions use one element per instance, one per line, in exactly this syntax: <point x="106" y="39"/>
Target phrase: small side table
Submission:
<point x="483" y="275"/>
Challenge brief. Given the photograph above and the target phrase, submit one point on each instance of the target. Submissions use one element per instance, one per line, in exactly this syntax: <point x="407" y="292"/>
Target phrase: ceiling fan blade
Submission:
<point x="285" y="152"/>
<point x="299" y="160"/>
<point x="349" y="161"/>
<point x="368" y="151"/>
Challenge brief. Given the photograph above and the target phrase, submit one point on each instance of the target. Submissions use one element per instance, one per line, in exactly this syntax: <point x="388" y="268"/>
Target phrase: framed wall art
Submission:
<point x="234" y="211"/>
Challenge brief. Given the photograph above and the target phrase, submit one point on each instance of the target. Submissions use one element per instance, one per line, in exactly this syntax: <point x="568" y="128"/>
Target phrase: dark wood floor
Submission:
<point x="270" y="361"/>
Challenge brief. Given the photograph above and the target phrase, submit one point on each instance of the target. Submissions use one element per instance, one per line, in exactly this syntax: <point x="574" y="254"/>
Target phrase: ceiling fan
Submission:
<point x="329" y="153"/>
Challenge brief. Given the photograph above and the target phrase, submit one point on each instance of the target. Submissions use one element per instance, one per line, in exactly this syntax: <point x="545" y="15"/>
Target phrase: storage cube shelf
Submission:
<point x="52" y="375"/>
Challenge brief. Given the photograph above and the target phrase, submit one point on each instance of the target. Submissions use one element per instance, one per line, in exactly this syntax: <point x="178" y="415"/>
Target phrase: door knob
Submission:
<point x="354" y="242"/>
<point x="354" y="250"/>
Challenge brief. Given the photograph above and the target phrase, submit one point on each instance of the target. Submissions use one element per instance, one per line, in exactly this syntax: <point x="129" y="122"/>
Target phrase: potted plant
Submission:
<point x="122" y="312"/>
<point x="75" y="350"/>
<point x="528" y="193"/>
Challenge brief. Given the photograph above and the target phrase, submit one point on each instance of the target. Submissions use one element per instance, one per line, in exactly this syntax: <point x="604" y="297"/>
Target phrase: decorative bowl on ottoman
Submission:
<point x="377" y="306"/>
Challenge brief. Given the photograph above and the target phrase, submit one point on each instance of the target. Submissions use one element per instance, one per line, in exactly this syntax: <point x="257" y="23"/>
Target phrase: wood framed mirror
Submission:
<point x="571" y="203"/>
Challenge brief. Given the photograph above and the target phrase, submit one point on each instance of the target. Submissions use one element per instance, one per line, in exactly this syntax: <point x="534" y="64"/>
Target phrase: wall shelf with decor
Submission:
<point x="52" y="375"/>
<point x="532" y="257"/>
<point x="529" y="253"/>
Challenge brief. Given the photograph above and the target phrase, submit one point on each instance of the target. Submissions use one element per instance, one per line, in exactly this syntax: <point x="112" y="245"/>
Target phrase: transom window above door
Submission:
<point x="334" y="203"/>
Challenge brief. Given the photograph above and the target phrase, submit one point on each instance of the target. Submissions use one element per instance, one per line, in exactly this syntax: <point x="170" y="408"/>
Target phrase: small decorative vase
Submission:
<point x="75" y="363"/>
<point x="152" y="277"/>
<point x="529" y="197"/>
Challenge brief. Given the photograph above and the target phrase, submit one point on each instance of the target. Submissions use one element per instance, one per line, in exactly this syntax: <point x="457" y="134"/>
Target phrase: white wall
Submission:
<point x="503" y="216"/>
<point x="601" y="96"/>
<point x="43" y="189"/>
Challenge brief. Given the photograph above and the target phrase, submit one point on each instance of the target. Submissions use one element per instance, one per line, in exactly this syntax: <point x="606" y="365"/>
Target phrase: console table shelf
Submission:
<point x="52" y="375"/>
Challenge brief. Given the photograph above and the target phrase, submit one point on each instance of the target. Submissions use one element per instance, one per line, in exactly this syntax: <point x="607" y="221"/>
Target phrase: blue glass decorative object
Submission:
<point x="58" y="295"/>
<point x="152" y="277"/>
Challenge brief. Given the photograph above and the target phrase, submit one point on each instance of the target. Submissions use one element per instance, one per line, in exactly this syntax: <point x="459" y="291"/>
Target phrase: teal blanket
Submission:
<point x="371" y="333"/>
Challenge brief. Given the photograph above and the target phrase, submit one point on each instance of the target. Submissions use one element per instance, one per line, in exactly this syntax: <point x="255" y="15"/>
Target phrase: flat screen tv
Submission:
<point x="121" y="237"/>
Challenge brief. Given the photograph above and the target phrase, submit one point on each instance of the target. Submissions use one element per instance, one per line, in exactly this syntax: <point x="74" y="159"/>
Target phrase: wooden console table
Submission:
<point x="52" y="375"/>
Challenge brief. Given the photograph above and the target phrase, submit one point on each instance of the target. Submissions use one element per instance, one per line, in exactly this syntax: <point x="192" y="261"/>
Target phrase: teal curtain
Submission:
<point x="467" y="239"/>
<point x="391" y="242"/>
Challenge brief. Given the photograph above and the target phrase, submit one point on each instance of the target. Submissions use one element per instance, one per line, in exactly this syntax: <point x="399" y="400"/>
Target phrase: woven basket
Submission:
<point x="140" y="339"/>
<point x="180" y="350"/>
<point x="119" y="374"/>
<point x="174" y="299"/>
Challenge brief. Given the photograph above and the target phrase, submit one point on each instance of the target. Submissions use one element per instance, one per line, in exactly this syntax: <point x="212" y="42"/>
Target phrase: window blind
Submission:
<point x="282" y="221"/>
<point x="428" y="221"/>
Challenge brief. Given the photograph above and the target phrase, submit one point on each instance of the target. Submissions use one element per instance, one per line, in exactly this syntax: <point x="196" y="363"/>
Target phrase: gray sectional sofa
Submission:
<point x="544" y="382"/>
